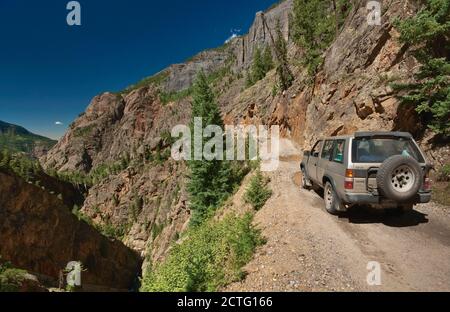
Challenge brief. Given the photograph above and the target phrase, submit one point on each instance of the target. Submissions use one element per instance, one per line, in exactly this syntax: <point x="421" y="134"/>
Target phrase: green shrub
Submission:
<point x="75" y="209"/>
<point x="257" y="193"/>
<point x="157" y="229"/>
<point x="81" y="216"/>
<point x="10" y="278"/>
<point x="211" y="256"/>
<point x="428" y="34"/>
<point x="111" y="231"/>
<point x="84" y="131"/>
<point x="444" y="174"/>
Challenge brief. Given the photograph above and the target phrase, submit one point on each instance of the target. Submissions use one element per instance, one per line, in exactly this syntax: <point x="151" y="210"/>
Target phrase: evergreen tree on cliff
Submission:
<point x="209" y="181"/>
<point x="428" y="34"/>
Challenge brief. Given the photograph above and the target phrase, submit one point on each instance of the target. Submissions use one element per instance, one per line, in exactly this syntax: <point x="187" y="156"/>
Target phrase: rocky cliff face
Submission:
<point x="148" y="201"/>
<point x="38" y="233"/>
<point x="350" y="93"/>
<point x="259" y="34"/>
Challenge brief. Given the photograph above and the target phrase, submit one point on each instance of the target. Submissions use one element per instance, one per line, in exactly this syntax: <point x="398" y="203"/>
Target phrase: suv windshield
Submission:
<point x="377" y="150"/>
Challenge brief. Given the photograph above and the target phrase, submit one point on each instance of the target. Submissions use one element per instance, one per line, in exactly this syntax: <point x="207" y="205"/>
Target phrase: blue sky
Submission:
<point x="49" y="71"/>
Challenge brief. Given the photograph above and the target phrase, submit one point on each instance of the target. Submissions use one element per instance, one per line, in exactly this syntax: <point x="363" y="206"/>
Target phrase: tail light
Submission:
<point x="426" y="183"/>
<point x="348" y="183"/>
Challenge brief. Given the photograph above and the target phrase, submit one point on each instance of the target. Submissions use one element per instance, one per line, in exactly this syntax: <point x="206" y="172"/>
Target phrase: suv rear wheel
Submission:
<point x="399" y="178"/>
<point x="333" y="203"/>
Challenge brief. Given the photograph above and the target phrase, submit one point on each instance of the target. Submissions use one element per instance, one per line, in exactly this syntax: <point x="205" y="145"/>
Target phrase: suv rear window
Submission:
<point x="377" y="150"/>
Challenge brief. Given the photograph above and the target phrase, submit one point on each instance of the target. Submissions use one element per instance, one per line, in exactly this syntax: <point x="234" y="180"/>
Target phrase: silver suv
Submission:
<point x="385" y="170"/>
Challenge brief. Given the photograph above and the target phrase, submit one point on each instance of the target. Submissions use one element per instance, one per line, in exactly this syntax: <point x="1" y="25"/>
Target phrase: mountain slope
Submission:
<point x="18" y="139"/>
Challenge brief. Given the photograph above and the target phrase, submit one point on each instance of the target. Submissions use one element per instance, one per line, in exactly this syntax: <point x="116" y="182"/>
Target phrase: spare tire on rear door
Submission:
<point x="399" y="178"/>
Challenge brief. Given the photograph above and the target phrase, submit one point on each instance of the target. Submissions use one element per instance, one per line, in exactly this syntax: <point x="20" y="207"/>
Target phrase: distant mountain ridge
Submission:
<point x="18" y="139"/>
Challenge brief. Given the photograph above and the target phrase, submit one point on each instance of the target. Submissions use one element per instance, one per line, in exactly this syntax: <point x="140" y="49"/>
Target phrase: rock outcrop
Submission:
<point x="260" y="33"/>
<point x="39" y="234"/>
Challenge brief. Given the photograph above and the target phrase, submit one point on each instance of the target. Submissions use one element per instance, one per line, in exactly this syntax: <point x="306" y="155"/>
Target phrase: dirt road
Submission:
<point x="309" y="250"/>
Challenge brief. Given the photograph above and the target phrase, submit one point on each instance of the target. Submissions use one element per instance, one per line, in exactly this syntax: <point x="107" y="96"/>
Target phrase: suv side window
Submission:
<point x="327" y="149"/>
<point x="338" y="151"/>
<point x="316" y="149"/>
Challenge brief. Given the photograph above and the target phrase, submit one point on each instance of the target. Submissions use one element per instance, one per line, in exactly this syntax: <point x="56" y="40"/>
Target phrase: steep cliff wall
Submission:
<point x="39" y="234"/>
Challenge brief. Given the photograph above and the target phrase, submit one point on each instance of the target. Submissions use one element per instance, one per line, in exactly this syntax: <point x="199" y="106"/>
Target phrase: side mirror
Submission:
<point x="306" y="153"/>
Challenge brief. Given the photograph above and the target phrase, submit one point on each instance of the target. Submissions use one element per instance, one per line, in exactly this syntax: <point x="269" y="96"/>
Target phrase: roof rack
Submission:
<point x="405" y="135"/>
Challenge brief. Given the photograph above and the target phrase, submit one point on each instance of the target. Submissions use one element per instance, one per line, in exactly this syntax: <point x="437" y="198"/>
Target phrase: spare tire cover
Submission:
<point x="400" y="178"/>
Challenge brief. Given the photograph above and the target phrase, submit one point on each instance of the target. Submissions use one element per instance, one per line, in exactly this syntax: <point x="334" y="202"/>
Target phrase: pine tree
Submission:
<point x="314" y="29"/>
<point x="209" y="181"/>
<point x="267" y="60"/>
<point x="261" y="65"/>
<point x="258" y="66"/>
<point x="284" y="74"/>
<point x="429" y="34"/>
<point x="5" y="159"/>
<point x="257" y="193"/>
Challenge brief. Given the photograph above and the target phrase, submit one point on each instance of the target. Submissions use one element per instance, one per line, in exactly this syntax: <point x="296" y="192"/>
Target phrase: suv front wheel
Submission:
<point x="333" y="203"/>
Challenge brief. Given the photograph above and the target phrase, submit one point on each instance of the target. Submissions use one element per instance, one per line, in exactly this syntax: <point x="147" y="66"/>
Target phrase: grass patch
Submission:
<point x="156" y="80"/>
<point x="168" y="97"/>
<point x="211" y="256"/>
<point x="443" y="174"/>
<point x="84" y="131"/>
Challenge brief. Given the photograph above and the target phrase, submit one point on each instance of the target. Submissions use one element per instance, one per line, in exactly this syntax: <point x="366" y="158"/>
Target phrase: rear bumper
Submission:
<point x="370" y="199"/>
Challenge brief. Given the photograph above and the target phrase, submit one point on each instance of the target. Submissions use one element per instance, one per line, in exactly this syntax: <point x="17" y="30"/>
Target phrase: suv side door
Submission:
<point x="324" y="160"/>
<point x="336" y="167"/>
<point x="313" y="160"/>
